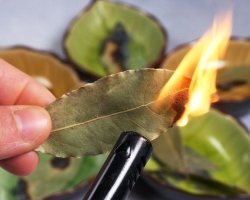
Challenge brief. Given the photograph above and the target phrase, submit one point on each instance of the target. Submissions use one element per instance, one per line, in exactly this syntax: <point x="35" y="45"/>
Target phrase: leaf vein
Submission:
<point x="135" y="122"/>
<point x="100" y="142"/>
<point x="117" y="113"/>
<point x="63" y="144"/>
<point x="112" y="121"/>
<point x="156" y="113"/>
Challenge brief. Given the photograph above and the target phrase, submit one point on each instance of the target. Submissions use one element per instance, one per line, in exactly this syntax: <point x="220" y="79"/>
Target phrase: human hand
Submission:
<point x="24" y="124"/>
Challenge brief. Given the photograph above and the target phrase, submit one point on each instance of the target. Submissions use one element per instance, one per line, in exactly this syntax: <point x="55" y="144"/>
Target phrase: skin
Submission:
<point x="24" y="123"/>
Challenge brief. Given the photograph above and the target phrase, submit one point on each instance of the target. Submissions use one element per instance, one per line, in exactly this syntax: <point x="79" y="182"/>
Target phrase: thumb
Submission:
<point x="22" y="129"/>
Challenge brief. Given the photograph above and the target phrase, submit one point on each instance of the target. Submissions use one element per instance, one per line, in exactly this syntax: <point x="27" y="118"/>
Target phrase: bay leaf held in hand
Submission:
<point x="88" y="121"/>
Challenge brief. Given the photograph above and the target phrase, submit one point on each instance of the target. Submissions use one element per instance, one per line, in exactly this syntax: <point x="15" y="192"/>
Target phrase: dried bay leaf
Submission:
<point x="88" y="121"/>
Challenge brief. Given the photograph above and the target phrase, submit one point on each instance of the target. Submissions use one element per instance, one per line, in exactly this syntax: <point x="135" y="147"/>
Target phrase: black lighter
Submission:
<point x="122" y="168"/>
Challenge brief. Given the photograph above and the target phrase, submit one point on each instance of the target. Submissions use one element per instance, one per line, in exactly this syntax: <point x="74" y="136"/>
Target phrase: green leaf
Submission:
<point x="216" y="156"/>
<point x="168" y="149"/>
<point x="220" y="139"/>
<point x="195" y="184"/>
<point x="86" y="36"/>
<point x="197" y="164"/>
<point x="49" y="179"/>
<point x="53" y="176"/>
<point x="173" y="155"/>
<point x="88" y="121"/>
<point x="89" y="167"/>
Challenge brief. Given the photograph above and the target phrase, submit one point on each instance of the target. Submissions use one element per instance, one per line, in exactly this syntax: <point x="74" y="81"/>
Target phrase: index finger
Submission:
<point x="17" y="88"/>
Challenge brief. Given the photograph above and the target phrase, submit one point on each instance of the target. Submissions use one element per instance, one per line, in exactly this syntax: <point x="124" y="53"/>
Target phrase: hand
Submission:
<point x="24" y="124"/>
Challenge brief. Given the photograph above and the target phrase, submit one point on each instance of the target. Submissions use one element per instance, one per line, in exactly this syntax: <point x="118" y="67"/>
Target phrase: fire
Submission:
<point x="201" y="64"/>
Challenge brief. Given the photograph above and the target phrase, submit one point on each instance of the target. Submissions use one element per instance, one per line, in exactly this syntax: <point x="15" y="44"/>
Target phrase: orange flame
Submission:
<point x="201" y="64"/>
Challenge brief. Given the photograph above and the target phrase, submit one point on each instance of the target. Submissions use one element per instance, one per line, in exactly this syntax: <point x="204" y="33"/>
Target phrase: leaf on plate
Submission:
<point x="233" y="80"/>
<point x="114" y="50"/>
<point x="196" y="185"/>
<point x="171" y="153"/>
<point x="88" y="121"/>
<point x="216" y="153"/>
<point x="168" y="149"/>
<point x="53" y="176"/>
<point x="233" y="83"/>
<point x="46" y="68"/>
<point x="197" y="164"/>
<point x="95" y="47"/>
<point x="221" y="139"/>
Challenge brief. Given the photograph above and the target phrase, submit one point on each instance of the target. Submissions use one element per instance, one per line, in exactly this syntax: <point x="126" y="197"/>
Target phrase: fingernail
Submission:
<point x="31" y="122"/>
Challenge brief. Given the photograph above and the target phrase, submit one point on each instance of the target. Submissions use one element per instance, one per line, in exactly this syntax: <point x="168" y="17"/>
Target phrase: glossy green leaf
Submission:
<point x="88" y="121"/>
<point x="50" y="178"/>
<point x="220" y="139"/>
<point x="86" y="36"/>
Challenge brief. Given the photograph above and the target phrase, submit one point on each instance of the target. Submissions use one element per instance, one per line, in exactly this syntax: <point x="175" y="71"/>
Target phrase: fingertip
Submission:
<point x="46" y="131"/>
<point x="34" y="123"/>
<point x="21" y="165"/>
<point x="23" y="129"/>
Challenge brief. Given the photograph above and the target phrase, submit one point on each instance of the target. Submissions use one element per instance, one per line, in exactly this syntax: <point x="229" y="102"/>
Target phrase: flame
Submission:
<point x="201" y="64"/>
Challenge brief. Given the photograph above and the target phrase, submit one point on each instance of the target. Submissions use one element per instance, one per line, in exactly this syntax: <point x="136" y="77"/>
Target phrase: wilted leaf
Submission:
<point x="92" y="42"/>
<point x="168" y="149"/>
<point x="221" y="140"/>
<point x="88" y="121"/>
<point x="53" y="176"/>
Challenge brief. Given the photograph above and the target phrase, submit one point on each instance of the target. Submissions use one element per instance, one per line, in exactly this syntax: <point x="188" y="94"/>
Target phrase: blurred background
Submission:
<point x="42" y="25"/>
